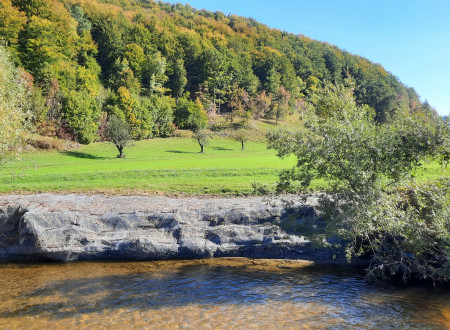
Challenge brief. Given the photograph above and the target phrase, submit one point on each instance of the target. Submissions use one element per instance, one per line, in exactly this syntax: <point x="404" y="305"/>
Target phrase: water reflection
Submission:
<point x="192" y="293"/>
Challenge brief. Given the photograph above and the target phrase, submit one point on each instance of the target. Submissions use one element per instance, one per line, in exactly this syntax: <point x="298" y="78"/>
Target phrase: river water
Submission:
<point x="219" y="293"/>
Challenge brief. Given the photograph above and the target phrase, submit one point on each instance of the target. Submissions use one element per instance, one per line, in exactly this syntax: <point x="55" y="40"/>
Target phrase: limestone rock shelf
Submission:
<point x="78" y="227"/>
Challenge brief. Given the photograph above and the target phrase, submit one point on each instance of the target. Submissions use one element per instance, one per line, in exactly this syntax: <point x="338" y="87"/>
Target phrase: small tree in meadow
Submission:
<point x="202" y="137"/>
<point x="118" y="133"/>
<point x="241" y="135"/>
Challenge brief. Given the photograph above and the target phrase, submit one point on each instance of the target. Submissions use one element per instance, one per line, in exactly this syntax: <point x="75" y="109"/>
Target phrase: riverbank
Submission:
<point x="98" y="227"/>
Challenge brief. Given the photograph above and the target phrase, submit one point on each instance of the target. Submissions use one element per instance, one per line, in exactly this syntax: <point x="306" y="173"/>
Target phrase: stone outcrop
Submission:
<point x="75" y="227"/>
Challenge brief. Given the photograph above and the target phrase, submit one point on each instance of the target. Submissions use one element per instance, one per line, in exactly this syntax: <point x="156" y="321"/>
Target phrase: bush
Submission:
<point x="366" y="163"/>
<point x="51" y="143"/>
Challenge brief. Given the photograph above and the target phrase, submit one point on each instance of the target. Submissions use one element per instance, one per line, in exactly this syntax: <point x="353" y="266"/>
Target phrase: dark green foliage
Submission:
<point x="178" y="79"/>
<point x="82" y="113"/>
<point x="83" y="23"/>
<point x="190" y="115"/>
<point x="366" y="164"/>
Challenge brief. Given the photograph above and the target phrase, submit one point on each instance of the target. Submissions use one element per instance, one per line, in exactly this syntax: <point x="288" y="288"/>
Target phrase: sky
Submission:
<point x="409" y="38"/>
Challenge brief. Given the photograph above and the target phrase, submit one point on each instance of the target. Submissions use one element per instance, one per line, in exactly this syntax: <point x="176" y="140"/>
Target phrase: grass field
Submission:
<point x="171" y="166"/>
<point x="168" y="166"/>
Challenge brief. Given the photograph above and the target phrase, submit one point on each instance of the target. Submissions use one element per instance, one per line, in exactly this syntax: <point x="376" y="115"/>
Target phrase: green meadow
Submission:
<point x="171" y="166"/>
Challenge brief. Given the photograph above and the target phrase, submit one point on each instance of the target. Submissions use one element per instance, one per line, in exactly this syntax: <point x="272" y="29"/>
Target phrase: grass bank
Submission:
<point x="171" y="166"/>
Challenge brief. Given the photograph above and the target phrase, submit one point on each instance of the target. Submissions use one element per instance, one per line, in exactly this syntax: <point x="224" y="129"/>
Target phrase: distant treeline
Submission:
<point x="158" y="66"/>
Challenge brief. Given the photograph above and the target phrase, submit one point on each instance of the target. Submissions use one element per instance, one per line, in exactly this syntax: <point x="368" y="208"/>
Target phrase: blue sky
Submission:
<point x="411" y="39"/>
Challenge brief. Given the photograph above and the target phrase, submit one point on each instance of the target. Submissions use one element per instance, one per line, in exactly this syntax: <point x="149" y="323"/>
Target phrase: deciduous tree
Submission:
<point x="13" y="107"/>
<point x="118" y="132"/>
<point x="366" y="164"/>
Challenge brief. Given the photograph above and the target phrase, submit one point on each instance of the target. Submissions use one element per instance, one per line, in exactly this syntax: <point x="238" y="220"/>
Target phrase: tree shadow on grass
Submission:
<point x="270" y="122"/>
<point x="222" y="149"/>
<point x="83" y="155"/>
<point x="181" y="152"/>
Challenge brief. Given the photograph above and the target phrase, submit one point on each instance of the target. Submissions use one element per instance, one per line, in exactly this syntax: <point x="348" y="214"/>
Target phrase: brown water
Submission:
<point x="227" y="293"/>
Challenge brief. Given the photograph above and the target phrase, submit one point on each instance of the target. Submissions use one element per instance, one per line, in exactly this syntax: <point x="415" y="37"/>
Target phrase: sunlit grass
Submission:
<point x="167" y="166"/>
<point x="159" y="165"/>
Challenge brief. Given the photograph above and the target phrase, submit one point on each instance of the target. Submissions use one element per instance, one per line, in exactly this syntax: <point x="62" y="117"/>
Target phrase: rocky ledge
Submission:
<point x="76" y="227"/>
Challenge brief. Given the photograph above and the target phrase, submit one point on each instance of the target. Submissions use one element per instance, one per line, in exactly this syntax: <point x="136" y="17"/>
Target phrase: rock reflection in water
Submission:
<point x="210" y="294"/>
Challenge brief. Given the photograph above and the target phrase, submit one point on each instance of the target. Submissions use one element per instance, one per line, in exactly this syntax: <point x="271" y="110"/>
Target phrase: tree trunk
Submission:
<point x="120" y="155"/>
<point x="242" y="145"/>
<point x="202" y="150"/>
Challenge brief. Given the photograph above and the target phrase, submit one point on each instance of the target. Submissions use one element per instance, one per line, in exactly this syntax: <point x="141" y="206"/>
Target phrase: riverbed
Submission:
<point x="211" y="293"/>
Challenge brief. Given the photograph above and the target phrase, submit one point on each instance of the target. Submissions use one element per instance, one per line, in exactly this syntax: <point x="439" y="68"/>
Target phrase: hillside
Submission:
<point x="158" y="66"/>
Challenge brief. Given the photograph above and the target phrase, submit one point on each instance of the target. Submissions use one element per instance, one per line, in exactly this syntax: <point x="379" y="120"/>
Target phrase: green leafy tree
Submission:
<point x="82" y="114"/>
<point x="155" y="74"/>
<point x="42" y="46"/>
<point x="135" y="58"/>
<point x="190" y="115"/>
<point x="366" y="163"/>
<point x="84" y="25"/>
<point x="178" y="79"/>
<point x="118" y="133"/>
<point x="12" y="22"/>
<point x="13" y="107"/>
<point x="282" y="103"/>
<point x="182" y="113"/>
<point x="198" y="118"/>
<point x="202" y="137"/>
<point x="242" y="135"/>
<point x="163" y="118"/>
<point x="124" y="77"/>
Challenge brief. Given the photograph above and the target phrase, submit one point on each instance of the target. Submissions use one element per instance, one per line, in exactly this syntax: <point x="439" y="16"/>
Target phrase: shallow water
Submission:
<point x="226" y="293"/>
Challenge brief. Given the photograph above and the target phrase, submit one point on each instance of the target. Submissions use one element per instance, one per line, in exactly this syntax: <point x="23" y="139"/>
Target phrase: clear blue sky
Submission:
<point x="410" y="38"/>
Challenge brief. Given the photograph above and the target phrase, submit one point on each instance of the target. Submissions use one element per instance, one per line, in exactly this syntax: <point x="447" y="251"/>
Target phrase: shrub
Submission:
<point x="366" y="163"/>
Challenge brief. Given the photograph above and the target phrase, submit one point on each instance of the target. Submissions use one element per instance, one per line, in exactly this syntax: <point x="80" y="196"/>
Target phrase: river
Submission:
<point x="213" y="293"/>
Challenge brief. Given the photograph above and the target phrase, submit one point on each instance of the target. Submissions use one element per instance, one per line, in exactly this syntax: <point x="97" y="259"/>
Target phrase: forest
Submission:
<point x="158" y="66"/>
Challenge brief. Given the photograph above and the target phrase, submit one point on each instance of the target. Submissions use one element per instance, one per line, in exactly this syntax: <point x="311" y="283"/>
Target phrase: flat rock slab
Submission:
<point x="79" y="227"/>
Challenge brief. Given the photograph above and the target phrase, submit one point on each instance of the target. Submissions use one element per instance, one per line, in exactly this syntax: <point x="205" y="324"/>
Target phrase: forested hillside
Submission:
<point x="157" y="66"/>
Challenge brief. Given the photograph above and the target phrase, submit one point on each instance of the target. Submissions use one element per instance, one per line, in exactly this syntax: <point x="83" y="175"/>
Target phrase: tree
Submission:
<point x="262" y="105"/>
<point x="134" y="54"/>
<point x="13" y="107"/>
<point x="83" y="23"/>
<point x="242" y="135"/>
<point x="366" y="164"/>
<point x="82" y="113"/>
<point x="198" y="117"/>
<point x="282" y="103"/>
<point x="239" y="103"/>
<point x="118" y="133"/>
<point x="178" y="79"/>
<point x="11" y="22"/>
<point x="202" y="137"/>
<point x="154" y="75"/>
<point x="190" y="115"/>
